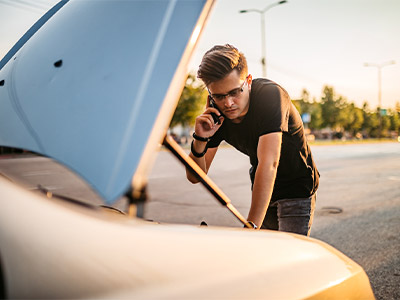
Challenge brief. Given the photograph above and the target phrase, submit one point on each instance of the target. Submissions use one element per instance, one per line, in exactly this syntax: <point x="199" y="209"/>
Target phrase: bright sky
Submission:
<point x="310" y="43"/>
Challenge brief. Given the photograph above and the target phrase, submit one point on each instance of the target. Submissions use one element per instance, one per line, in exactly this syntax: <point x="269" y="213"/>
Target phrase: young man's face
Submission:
<point x="231" y="95"/>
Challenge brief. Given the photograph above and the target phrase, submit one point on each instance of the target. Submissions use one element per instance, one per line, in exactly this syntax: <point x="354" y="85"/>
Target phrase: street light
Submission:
<point x="379" y="67"/>
<point x="263" y="47"/>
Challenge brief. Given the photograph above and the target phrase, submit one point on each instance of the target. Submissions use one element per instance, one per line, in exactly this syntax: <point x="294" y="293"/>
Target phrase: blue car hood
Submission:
<point x="93" y="85"/>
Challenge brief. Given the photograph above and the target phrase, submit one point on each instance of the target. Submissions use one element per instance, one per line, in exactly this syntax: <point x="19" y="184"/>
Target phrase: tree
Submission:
<point x="329" y="108"/>
<point x="395" y="118"/>
<point x="353" y="118"/>
<point x="345" y="114"/>
<point x="371" y="121"/>
<point x="316" y="115"/>
<point x="397" y="108"/>
<point x="304" y="105"/>
<point x="304" y="102"/>
<point x="394" y="121"/>
<point x="191" y="103"/>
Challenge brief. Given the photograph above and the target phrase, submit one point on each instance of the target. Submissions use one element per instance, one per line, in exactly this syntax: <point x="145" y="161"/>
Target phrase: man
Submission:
<point x="258" y="118"/>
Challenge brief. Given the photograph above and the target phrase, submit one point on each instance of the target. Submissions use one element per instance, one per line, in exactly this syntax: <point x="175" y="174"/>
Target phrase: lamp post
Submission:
<point x="263" y="46"/>
<point x="379" y="67"/>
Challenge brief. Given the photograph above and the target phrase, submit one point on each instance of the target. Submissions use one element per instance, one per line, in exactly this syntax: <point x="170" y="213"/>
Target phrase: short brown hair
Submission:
<point x="219" y="61"/>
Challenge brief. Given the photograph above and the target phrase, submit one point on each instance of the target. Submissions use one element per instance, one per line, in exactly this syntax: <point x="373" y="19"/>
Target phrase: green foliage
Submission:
<point x="332" y="109"/>
<point x="371" y="122"/>
<point x="352" y="118"/>
<point x="316" y="116"/>
<point x="394" y="120"/>
<point x="304" y="105"/>
<point x="191" y="103"/>
<point x="335" y="112"/>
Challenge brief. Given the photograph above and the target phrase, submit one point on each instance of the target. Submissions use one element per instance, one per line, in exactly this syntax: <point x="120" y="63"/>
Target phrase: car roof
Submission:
<point x="93" y="85"/>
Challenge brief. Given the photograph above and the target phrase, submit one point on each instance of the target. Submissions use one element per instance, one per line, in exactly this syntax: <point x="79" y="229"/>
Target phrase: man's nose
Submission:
<point x="228" y="101"/>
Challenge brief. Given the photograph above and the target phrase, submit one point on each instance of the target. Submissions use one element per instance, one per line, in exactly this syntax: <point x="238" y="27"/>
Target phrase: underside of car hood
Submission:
<point x="93" y="85"/>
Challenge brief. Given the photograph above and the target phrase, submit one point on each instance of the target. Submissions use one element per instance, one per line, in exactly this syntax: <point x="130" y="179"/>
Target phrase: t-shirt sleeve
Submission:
<point x="273" y="108"/>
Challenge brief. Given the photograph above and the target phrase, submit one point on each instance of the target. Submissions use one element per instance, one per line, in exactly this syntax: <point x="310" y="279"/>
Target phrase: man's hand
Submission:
<point x="205" y="126"/>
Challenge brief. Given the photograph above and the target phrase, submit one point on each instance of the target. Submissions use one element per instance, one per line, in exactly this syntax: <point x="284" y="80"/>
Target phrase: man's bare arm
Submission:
<point x="204" y="128"/>
<point x="268" y="154"/>
<point x="203" y="162"/>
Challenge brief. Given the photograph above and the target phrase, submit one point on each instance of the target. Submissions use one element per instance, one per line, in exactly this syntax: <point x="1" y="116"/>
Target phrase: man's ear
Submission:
<point x="249" y="81"/>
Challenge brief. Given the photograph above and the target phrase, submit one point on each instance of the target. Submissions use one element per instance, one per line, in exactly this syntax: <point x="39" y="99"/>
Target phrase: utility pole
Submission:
<point x="379" y="67"/>
<point x="263" y="41"/>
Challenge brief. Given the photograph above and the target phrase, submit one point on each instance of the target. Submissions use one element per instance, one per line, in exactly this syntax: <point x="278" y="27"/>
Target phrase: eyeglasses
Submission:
<point x="233" y="93"/>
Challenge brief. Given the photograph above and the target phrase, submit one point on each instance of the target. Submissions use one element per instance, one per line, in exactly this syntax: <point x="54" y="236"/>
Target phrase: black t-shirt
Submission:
<point x="271" y="110"/>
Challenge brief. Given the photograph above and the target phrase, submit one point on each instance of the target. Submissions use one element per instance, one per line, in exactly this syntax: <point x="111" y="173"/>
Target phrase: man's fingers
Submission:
<point x="206" y="121"/>
<point x="208" y="117"/>
<point x="210" y="110"/>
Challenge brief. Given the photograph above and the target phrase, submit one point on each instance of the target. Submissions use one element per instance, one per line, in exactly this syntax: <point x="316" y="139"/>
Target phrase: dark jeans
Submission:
<point x="291" y="215"/>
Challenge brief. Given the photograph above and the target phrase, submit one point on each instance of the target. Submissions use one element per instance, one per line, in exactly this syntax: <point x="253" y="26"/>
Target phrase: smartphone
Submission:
<point x="214" y="115"/>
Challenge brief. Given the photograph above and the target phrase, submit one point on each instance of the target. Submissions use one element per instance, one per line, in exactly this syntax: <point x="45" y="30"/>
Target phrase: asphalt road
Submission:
<point x="357" y="212"/>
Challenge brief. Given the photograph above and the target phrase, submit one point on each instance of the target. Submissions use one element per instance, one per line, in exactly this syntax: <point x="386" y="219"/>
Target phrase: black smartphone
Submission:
<point x="214" y="115"/>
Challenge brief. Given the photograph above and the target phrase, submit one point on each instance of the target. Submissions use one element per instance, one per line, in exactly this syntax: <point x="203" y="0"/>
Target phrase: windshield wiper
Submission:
<point x="50" y="194"/>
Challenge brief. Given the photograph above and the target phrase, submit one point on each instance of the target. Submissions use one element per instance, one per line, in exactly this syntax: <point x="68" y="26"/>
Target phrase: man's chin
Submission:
<point x="234" y="118"/>
<point x="231" y="114"/>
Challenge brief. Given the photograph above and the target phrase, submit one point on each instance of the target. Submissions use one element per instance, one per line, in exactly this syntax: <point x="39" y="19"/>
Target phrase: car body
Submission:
<point x="79" y="88"/>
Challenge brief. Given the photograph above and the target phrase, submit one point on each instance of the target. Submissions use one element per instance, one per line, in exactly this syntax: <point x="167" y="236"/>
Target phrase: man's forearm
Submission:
<point x="262" y="191"/>
<point x="268" y="154"/>
<point x="199" y="147"/>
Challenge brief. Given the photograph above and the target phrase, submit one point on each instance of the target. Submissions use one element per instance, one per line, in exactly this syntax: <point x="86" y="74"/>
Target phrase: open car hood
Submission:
<point x="94" y="84"/>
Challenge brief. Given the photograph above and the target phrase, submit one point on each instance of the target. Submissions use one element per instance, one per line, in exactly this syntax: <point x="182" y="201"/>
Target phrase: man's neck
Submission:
<point x="238" y="120"/>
